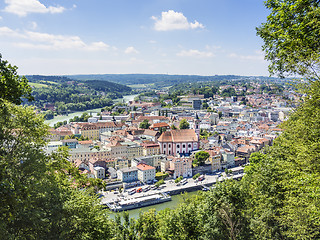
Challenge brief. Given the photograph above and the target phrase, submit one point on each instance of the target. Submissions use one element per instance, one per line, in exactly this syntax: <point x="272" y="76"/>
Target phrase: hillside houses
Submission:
<point x="230" y="132"/>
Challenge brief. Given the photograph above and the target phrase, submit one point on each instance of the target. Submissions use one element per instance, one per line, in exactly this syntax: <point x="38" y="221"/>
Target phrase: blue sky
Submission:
<point x="201" y="37"/>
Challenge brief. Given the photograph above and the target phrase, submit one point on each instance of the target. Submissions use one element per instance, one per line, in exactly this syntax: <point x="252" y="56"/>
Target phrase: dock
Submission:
<point x="127" y="203"/>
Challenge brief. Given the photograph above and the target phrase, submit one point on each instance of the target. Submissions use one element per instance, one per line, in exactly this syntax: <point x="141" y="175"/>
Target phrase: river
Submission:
<point x="176" y="200"/>
<point x="94" y="112"/>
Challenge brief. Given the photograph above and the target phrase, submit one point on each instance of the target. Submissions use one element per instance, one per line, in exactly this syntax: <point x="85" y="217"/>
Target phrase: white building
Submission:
<point x="146" y="173"/>
<point x="99" y="172"/>
<point x="128" y="174"/>
<point x="181" y="167"/>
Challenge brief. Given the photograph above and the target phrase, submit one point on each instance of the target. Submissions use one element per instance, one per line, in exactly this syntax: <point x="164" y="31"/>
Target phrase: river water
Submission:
<point x="176" y="200"/>
<point x="93" y="112"/>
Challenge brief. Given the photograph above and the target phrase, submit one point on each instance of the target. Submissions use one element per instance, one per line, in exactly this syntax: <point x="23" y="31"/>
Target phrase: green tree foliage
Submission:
<point x="39" y="192"/>
<point x="38" y="199"/>
<point x="160" y="182"/>
<point x="12" y="87"/>
<point x="229" y="92"/>
<point x="178" y="179"/>
<point x="271" y="89"/>
<point x="291" y="37"/>
<point x="196" y="176"/>
<point x="204" y="134"/>
<point x="144" y="124"/>
<point x="69" y="95"/>
<point x="200" y="158"/>
<point x="184" y="124"/>
<point x="284" y="181"/>
<point x="83" y="118"/>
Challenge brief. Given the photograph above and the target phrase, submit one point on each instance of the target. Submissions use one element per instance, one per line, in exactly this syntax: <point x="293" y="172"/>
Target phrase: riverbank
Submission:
<point x="171" y="188"/>
<point x="94" y="112"/>
<point x="174" y="203"/>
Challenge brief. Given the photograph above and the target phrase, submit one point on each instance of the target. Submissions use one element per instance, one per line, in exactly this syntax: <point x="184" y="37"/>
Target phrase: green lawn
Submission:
<point x="38" y="85"/>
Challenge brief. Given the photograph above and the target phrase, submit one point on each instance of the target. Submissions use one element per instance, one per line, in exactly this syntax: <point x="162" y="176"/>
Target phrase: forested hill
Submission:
<point x="96" y="84"/>
<point x="160" y="80"/>
<point x="74" y="95"/>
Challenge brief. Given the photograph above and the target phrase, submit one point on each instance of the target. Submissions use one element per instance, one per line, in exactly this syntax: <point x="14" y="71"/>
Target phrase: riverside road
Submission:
<point x="173" y="188"/>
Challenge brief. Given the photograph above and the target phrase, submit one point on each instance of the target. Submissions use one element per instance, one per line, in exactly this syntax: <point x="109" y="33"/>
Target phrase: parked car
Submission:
<point x="132" y="191"/>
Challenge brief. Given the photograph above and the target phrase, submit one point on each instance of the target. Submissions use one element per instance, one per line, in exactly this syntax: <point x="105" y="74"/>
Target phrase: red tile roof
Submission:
<point x="179" y="135"/>
<point x="143" y="167"/>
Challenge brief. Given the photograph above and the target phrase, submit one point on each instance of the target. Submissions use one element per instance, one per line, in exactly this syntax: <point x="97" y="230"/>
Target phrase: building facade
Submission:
<point x="128" y="174"/>
<point x="146" y="173"/>
<point x="175" y="142"/>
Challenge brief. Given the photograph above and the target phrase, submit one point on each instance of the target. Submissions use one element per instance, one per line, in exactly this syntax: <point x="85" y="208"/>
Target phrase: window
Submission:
<point x="189" y="145"/>
<point x="164" y="146"/>
<point x="169" y="145"/>
<point x="178" y="146"/>
<point x="183" y="145"/>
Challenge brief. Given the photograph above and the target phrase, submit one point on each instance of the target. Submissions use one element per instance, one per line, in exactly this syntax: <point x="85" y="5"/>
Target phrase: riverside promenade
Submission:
<point x="171" y="188"/>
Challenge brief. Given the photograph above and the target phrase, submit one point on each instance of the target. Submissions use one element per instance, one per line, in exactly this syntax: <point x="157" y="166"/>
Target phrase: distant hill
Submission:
<point x="96" y="84"/>
<point x="160" y="80"/>
<point x="69" y="95"/>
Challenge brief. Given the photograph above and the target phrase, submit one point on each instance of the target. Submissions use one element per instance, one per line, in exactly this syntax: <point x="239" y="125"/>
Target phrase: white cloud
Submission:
<point x="172" y="20"/>
<point x="23" y="7"/>
<point x="130" y="50"/>
<point x="0" y="18"/>
<point x="259" y="56"/>
<point x="8" y="32"/>
<point x="33" y="25"/>
<point x="98" y="46"/>
<point x="37" y="40"/>
<point x="195" y="53"/>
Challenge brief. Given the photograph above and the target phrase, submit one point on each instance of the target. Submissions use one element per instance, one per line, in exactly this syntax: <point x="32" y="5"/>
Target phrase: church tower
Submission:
<point x="197" y="125"/>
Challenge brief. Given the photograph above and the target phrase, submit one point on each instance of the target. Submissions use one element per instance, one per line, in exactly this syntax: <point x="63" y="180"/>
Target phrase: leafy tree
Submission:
<point x="144" y="124"/>
<point x="201" y="157"/>
<point x="291" y="37"/>
<point x="12" y="87"/>
<point x="229" y="92"/>
<point x="39" y="192"/>
<point x="283" y="200"/>
<point x="178" y="179"/>
<point x="184" y="124"/>
<point x="196" y="176"/>
<point x="173" y="127"/>
<point x="205" y="105"/>
<point x="160" y="182"/>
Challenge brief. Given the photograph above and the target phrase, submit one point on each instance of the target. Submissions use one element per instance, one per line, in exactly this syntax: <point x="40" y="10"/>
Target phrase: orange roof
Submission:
<point x="246" y="149"/>
<point x="143" y="167"/>
<point x="179" y="135"/>
<point x="160" y="124"/>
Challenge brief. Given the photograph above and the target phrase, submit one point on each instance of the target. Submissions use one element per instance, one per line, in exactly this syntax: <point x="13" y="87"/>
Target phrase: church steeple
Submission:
<point x="197" y="125"/>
